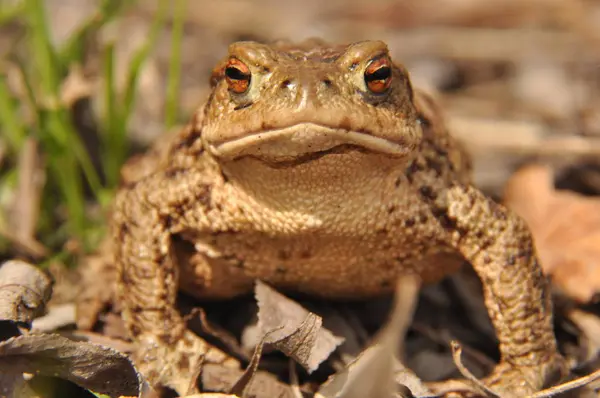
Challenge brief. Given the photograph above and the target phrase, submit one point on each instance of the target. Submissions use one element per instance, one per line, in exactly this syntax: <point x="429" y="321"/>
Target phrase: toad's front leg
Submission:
<point x="146" y="216"/>
<point x="500" y="247"/>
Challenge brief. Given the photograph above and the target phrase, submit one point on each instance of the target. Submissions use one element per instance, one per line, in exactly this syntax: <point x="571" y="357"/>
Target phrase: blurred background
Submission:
<point x="85" y="83"/>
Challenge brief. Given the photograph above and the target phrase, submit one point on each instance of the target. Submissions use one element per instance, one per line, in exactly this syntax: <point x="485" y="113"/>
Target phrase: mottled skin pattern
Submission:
<point x="312" y="183"/>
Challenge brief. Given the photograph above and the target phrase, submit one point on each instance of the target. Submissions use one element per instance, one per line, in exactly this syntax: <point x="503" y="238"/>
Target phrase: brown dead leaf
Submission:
<point x="24" y="292"/>
<point x="294" y="331"/>
<point x="589" y="326"/>
<point x="377" y="372"/>
<point x="565" y="226"/>
<point x="58" y="316"/>
<point x="216" y="377"/>
<point x="90" y="366"/>
<point x="241" y="387"/>
<point x="76" y="86"/>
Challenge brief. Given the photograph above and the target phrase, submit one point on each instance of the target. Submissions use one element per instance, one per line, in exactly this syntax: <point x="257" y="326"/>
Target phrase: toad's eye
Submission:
<point x="237" y="75"/>
<point x="378" y="75"/>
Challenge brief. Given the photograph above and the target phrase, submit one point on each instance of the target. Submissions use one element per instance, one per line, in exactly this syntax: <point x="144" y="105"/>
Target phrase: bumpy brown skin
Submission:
<point x="312" y="183"/>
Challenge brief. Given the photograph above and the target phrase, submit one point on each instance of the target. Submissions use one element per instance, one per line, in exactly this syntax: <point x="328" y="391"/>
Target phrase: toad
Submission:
<point x="319" y="169"/>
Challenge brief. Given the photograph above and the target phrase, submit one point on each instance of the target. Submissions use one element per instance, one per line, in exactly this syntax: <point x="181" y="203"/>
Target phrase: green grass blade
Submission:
<point x="175" y="64"/>
<point x="61" y="142"/>
<point x="113" y="141"/>
<point x="12" y="130"/>
<point x="116" y="137"/>
<point x="140" y="56"/>
<point x="42" y="51"/>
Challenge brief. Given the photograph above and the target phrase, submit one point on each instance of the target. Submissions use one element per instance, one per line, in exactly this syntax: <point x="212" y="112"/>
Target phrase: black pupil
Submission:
<point x="382" y="73"/>
<point x="235" y="74"/>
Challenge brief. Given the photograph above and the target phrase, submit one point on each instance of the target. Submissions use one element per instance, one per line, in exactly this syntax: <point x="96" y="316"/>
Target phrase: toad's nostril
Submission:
<point x="287" y="83"/>
<point x="327" y="83"/>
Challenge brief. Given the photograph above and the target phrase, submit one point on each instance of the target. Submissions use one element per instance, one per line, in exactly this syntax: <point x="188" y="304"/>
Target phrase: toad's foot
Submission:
<point x="520" y="381"/>
<point x="177" y="365"/>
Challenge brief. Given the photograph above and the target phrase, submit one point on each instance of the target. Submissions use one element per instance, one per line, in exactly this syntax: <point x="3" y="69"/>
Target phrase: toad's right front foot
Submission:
<point x="177" y="365"/>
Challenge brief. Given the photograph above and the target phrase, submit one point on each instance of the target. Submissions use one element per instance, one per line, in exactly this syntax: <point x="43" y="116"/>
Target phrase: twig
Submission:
<point x="477" y="384"/>
<point x="521" y="138"/>
<point x="26" y="206"/>
<point x="294" y="383"/>
<point x="31" y="247"/>
<point x="195" y="375"/>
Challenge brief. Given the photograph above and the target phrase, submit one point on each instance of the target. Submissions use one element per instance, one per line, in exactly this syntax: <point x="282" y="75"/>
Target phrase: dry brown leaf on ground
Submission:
<point x="24" y="292"/>
<point x="58" y="316"/>
<point x="292" y="329"/>
<point x="377" y="372"/>
<point x="242" y="385"/>
<point x="589" y="338"/>
<point x="565" y="226"/>
<point x="90" y="366"/>
<point x="216" y="377"/>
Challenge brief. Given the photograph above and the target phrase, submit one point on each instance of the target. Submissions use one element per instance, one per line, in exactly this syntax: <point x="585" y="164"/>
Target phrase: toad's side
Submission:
<point x="318" y="169"/>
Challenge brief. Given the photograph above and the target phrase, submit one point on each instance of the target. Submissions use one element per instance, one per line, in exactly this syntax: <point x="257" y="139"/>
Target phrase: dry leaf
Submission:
<point x="75" y="87"/>
<point x="24" y="292"/>
<point x="58" y="316"/>
<point x="241" y="387"/>
<point x="216" y="377"/>
<point x="90" y="366"/>
<point x="589" y="325"/>
<point x="292" y="329"/>
<point x="377" y="372"/>
<point x="566" y="229"/>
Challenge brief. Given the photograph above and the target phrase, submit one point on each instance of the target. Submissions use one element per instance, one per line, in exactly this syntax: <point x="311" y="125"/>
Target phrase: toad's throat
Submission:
<point x="303" y="142"/>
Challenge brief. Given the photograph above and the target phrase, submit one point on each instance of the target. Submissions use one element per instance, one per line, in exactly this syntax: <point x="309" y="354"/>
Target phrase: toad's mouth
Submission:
<point x="304" y="142"/>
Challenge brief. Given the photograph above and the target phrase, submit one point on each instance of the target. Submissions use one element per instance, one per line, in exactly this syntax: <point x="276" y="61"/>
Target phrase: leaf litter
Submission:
<point x="24" y="293"/>
<point x="566" y="229"/>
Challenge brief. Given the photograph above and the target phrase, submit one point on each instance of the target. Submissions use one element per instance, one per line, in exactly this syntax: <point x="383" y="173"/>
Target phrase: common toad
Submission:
<point x="319" y="169"/>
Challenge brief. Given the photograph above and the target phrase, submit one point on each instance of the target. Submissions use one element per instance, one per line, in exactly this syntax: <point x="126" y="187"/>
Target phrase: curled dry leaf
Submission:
<point x="24" y="292"/>
<point x="565" y="226"/>
<point x="589" y="339"/>
<point x="216" y="377"/>
<point x="90" y="366"/>
<point x="57" y="317"/>
<point x="292" y="329"/>
<point x="377" y="372"/>
<point x="242" y="386"/>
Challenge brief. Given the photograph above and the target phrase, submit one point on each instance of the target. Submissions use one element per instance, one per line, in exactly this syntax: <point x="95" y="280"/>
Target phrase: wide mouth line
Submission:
<point x="359" y="138"/>
<point x="283" y="129"/>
